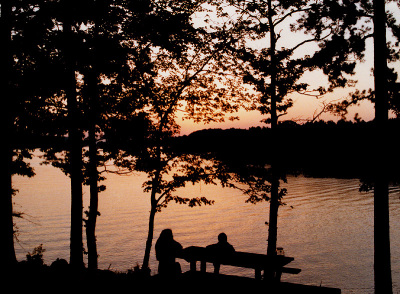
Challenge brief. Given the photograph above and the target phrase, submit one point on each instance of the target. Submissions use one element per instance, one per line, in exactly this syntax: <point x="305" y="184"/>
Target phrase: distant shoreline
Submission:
<point x="342" y="149"/>
<point x="320" y="149"/>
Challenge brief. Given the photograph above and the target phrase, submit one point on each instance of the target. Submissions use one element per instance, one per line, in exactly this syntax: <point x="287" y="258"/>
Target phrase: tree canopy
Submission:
<point x="100" y="81"/>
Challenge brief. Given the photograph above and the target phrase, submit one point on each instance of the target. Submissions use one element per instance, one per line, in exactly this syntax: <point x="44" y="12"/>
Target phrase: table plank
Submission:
<point x="240" y="259"/>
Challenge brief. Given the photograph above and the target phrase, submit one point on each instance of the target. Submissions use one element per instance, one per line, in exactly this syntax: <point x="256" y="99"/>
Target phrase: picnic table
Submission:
<point x="276" y="265"/>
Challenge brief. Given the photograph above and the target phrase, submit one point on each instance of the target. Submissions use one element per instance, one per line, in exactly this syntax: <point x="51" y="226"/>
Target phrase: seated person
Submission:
<point x="166" y="251"/>
<point x="220" y="250"/>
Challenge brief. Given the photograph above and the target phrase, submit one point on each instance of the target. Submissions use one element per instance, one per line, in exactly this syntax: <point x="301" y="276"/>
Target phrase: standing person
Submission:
<point x="166" y="251"/>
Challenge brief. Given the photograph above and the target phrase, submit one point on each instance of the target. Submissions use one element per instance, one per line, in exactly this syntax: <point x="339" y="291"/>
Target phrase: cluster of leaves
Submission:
<point x="36" y="256"/>
<point x="353" y="23"/>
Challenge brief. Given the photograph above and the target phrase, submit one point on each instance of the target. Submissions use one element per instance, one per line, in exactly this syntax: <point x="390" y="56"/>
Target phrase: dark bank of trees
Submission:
<point x="342" y="149"/>
<point x="105" y="80"/>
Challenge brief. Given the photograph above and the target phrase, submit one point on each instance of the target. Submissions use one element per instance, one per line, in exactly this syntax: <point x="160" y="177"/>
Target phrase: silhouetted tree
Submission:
<point x="92" y="79"/>
<point x="95" y="65"/>
<point x="17" y="63"/>
<point x="361" y="22"/>
<point x="6" y="221"/>
<point x="57" y="90"/>
<point x="60" y="113"/>
<point x="382" y="259"/>
<point x="74" y="132"/>
<point x="276" y="72"/>
<point x="370" y="19"/>
<point x="189" y="76"/>
<point x="113" y="68"/>
<point x="102" y="69"/>
<point x="101" y="58"/>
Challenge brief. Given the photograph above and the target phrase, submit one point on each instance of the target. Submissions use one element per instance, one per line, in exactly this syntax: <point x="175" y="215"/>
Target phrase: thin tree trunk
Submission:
<point x="274" y="202"/>
<point x="149" y="242"/>
<point x="75" y="145"/>
<point x="94" y="200"/>
<point x="153" y="201"/>
<point x="93" y="172"/>
<point x="273" y="215"/>
<point x="75" y="157"/>
<point x="382" y="262"/>
<point x="93" y="207"/>
<point x="6" y="207"/>
<point x="153" y="211"/>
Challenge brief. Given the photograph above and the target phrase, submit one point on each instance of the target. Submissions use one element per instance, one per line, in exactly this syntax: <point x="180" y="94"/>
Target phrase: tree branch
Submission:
<point x="290" y="14"/>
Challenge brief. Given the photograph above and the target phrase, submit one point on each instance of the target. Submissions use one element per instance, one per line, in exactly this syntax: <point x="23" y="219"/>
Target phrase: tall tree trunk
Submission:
<point x="6" y="207"/>
<point x="93" y="172"/>
<point x="274" y="202"/>
<point x="153" y="200"/>
<point x="382" y="262"/>
<point x="75" y="144"/>
<point x="153" y="211"/>
<point x="149" y="242"/>
<point x="94" y="200"/>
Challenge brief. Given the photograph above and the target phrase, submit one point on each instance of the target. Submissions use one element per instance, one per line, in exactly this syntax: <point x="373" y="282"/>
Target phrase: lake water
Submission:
<point x="327" y="225"/>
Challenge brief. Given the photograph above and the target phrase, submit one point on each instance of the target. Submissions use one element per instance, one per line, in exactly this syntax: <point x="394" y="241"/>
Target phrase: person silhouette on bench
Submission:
<point x="220" y="250"/>
<point x="166" y="251"/>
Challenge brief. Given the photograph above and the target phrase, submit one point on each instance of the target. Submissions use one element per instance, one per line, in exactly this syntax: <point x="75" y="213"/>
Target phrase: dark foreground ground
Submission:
<point x="25" y="279"/>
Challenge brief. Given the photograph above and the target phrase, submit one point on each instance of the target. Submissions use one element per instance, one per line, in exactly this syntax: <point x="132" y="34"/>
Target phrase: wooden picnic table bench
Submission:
<point x="258" y="262"/>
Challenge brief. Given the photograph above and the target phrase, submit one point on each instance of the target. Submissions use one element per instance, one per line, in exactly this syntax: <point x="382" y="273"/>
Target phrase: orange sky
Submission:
<point x="303" y="109"/>
<point x="305" y="106"/>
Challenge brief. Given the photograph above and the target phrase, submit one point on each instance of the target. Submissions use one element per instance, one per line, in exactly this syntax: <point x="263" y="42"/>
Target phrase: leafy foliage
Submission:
<point x="353" y="25"/>
<point x="36" y="256"/>
<point x="315" y="24"/>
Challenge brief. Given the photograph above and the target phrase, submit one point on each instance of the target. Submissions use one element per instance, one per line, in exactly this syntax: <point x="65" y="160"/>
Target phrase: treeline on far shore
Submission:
<point x="341" y="149"/>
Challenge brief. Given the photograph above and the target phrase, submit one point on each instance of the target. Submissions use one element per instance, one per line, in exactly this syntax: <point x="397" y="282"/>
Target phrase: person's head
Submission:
<point x="166" y="234"/>
<point x="223" y="238"/>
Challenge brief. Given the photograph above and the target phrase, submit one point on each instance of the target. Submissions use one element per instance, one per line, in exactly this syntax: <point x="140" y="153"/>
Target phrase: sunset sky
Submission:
<point x="304" y="106"/>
